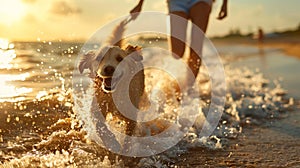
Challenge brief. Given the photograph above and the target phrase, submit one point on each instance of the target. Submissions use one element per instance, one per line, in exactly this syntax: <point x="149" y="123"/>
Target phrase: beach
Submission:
<point x="290" y="48"/>
<point x="290" y="44"/>
<point x="269" y="143"/>
<point x="259" y="127"/>
<point x="273" y="144"/>
<point x="111" y="84"/>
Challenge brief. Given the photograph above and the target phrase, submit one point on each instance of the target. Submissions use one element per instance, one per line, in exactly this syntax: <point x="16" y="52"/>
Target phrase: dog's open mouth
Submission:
<point x="109" y="83"/>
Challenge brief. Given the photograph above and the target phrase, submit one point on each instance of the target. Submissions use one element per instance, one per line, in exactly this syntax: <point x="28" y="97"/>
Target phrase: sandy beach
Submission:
<point x="290" y="48"/>
<point x="273" y="144"/>
<point x="242" y="111"/>
<point x="290" y="45"/>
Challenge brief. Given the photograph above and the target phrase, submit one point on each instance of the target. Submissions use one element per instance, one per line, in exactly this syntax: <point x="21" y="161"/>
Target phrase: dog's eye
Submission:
<point x="119" y="58"/>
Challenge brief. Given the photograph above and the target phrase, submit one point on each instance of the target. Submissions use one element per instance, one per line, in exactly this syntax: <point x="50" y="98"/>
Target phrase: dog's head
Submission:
<point x="104" y="64"/>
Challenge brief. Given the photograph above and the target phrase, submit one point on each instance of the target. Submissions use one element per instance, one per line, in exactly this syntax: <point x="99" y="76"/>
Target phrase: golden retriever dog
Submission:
<point x="109" y="68"/>
<point x="108" y="79"/>
<point x="108" y="76"/>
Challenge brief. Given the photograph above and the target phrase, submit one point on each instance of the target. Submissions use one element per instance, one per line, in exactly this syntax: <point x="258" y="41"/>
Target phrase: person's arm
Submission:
<point x="223" y="11"/>
<point x="137" y="9"/>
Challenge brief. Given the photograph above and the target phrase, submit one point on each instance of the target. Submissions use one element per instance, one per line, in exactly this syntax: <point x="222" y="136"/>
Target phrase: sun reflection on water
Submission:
<point x="7" y="54"/>
<point x="9" y="92"/>
<point x="6" y="58"/>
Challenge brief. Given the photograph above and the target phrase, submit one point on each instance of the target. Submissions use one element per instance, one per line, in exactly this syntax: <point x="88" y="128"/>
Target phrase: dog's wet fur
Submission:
<point x="103" y="68"/>
<point x="102" y="65"/>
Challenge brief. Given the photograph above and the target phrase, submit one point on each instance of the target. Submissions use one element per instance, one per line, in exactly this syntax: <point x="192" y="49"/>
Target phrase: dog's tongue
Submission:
<point x="107" y="82"/>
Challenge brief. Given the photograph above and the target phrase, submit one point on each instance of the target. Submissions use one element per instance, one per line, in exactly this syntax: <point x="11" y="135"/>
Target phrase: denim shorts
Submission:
<point x="184" y="5"/>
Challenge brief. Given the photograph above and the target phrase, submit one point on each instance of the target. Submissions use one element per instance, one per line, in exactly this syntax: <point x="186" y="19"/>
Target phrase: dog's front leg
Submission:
<point x="130" y="130"/>
<point x="108" y="138"/>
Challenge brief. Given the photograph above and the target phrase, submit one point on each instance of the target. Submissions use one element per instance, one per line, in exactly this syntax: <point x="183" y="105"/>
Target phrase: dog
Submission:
<point x="103" y="68"/>
<point x="108" y="76"/>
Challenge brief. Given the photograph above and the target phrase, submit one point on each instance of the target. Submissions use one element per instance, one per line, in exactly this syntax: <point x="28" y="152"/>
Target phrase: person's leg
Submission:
<point x="178" y="29"/>
<point x="199" y="14"/>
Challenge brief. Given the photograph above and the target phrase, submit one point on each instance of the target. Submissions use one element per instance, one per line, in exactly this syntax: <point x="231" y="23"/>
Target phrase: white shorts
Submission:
<point x="184" y="5"/>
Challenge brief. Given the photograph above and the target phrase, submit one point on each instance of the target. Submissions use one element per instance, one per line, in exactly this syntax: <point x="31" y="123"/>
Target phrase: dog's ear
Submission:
<point x="86" y="61"/>
<point x="137" y="52"/>
<point x="137" y="57"/>
<point x="130" y="49"/>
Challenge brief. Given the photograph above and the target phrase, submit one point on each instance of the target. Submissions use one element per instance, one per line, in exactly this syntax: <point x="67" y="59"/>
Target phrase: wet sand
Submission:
<point x="289" y="45"/>
<point x="274" y="144"/>
<point x="290" y="48"/>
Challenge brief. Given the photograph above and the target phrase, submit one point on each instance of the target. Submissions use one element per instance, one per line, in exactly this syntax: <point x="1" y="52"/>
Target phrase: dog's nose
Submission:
<point x="109" y="70"/>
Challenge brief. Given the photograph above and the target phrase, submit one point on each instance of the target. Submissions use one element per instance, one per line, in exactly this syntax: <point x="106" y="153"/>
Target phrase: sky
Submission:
<point x="32" y="20"/>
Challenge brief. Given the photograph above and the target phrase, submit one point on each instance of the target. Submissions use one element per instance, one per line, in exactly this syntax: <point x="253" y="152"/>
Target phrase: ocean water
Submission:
<point x="39" y="124"/>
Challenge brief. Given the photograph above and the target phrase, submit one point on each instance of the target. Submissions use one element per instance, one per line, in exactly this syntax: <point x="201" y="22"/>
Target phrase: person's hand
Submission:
<point x="135" y="11"/>
<point x="223" y="11"/>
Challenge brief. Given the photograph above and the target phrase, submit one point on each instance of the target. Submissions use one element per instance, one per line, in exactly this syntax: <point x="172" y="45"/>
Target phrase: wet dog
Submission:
<point x="110" y="68"/>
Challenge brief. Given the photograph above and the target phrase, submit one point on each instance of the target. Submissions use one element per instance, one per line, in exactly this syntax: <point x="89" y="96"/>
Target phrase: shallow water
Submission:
<point x="273" y="63"/>
<point x="38" y="125"/>
<point x="277" y="66"/>
<point x="31" y="68"/>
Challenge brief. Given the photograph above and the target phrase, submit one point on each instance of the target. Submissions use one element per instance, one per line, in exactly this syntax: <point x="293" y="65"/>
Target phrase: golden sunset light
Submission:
<point x="28" y="20"/>
<point x="149" y="83"/>
<point x="11" y="11"/>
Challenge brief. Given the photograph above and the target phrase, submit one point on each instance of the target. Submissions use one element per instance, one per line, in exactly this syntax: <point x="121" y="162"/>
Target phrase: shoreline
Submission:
<point x="291" y="49"/>
<point x="290" y="46"/>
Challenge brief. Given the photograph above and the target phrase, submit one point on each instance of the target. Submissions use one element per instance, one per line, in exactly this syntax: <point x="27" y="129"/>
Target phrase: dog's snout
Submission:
<point x="109" y="70"/>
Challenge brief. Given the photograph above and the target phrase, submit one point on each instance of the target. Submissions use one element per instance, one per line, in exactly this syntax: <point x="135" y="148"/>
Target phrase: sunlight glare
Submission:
<point x="9" y="91"/>
<point x="7" y="54"/>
